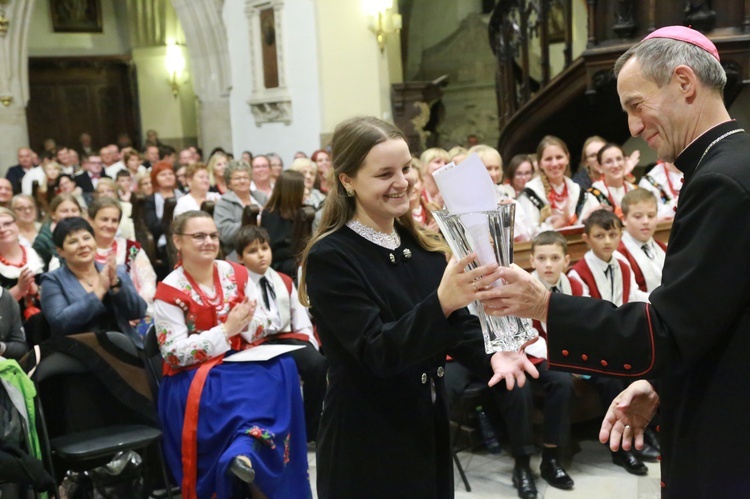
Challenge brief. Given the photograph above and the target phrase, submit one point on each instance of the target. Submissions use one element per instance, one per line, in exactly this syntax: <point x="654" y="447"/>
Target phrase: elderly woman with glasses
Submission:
<point x="249" y="440"/>
<point x="228" y="210"/>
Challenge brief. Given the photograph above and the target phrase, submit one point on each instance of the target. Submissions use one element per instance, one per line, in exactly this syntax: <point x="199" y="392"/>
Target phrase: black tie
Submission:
<point x="268" y="291"/>
<point x="554" y="289"/>
<point x="610" y="272"/>
<point x="647" y="249"/>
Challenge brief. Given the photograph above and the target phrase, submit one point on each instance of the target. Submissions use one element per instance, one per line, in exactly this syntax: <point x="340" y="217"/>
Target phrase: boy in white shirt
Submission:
<point x="290" y="324"/>
<point x="644" y="254"/>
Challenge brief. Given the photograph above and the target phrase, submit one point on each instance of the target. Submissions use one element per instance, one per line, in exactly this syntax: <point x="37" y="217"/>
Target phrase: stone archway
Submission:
<point x="209" y="58"/>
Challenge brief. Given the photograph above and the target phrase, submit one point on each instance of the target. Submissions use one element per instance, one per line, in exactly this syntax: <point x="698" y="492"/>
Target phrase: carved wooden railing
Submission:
<point x="612" y="26"/>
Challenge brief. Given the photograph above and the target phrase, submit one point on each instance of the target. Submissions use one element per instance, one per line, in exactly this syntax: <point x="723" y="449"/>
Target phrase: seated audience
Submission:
<point x="16" y="173"/>
<point x="26" y="218"/>
<point x="63" y="206"/>
<point x="290" y="324"/>
<point x="457" y="154"/>
<point x="88" y="178"/>
<point x="132" y="160"/>
<point x="518" y="172"/>
<point x="665" y="181"/>
<point x="84" y="296"/>
<point x="249" y="440"/>
<point x="494" y="164"/>
<point x="105" y="214"/>
<point x="12" y="337"/>
<point x="228" y="209"/>
<point x="165" y="186"/>
<point x="644" y="254"/>
<point x="551" y="200"/>
<point x="420" y="209"/>
<point x="277" y="166"/>
<point x="124" y="182"/>
<point x="20" y="266"/>
<point x="432" y="159"/>
<point x="36" y="174"/>
<point x="106" y="188"/>
<point x="589" y="170"/>
<point x="217" y="165"/>
<point x="278" y="219"/>
<point x="246" y="156"/>
<point x="143" y="184"/>
<point x="67" y="185"/>
<point x="322" y="160"/>
<point x="261" y="184"/>
<point x="611" y="188"/>
<point x="6" y="192"/>
<point x="313" y="197"/>
<point x="198" y="190"/>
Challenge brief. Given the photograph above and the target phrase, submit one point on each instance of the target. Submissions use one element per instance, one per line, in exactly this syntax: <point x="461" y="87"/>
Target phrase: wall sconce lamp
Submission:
<point x="175" y="63"/>
<point x="382" y="21"/>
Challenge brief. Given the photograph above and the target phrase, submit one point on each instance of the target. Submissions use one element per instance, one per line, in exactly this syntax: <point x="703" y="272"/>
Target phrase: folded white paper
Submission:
<point x="261" y="352"/>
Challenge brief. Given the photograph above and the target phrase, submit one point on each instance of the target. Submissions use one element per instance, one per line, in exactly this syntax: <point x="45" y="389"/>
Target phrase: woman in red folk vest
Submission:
<point x="231" y="429"/>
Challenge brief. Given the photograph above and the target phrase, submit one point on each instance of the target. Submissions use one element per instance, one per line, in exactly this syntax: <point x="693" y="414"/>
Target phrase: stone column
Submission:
<point x="206" y="40"/>
<point x="14" y="78"/>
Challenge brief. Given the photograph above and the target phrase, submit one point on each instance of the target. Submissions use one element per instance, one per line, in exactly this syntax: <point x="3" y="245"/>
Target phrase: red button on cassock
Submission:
<point x="604" y="363"/>
<point x="565" y="353"/>
<point x="584" y="357"/>
<point x="627" y="367"/>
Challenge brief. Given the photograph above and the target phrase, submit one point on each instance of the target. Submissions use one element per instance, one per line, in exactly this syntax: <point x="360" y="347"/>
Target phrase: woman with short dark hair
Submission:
<point x="84" y="296"/>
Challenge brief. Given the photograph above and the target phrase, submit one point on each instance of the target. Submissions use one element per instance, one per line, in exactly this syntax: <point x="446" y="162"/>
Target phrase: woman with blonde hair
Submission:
<point x="198" y="181"/>
<point x="313" y="197"/>
<point x="217" y="164"/>
<point x="552" y="200"/>
<point x="432" y="160"/>
<point x="26" y="218"/>
<point x="388" y="310"/>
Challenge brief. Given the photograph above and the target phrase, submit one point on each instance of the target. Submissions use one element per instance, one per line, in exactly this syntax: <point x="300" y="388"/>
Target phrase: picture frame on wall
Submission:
<point x="76" y="16"/>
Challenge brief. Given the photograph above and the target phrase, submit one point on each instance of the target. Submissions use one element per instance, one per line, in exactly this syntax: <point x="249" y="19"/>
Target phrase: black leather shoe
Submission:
<point x="242" y="469"/>
<point x="628" y="460"/>
<point x="523" y="480"/>
<point x="652" y="438"/>
<point x="555" y="474"/>
<point x="649" y="453"/>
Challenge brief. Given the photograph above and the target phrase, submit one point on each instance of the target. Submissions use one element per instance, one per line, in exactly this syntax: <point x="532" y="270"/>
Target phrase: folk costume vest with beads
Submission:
<point x="640" y="278"/>
<point x="583" y="269"/>
<point x="540" y="202"/>
<point x="201" y="317"/>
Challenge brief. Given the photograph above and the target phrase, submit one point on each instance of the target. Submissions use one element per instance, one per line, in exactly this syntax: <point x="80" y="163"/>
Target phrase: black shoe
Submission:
<point x="242" y="469"/>
<point x="649" y="453"/>
<point x="651" y="438"/>
<point x="555" y="474"/>
<point x="523" y="480"/>
<point x="628" y="460"/>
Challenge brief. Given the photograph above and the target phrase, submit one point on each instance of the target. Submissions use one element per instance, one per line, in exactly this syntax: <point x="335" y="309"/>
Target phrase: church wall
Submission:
<point x="113" y="40"/>
<point x="301" y="69"/>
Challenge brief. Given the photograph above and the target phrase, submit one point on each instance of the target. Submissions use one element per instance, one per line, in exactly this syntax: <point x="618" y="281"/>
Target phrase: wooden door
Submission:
<point x="69" y="96"/>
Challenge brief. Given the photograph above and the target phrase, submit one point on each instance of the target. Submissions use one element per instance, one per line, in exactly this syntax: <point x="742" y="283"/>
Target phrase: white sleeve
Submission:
<point x="176" y="346"/>
<point x="300" y="320"/>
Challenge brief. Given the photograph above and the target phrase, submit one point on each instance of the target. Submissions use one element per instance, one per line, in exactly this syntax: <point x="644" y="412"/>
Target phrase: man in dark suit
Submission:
<point x="694" y="336"/>
<point x="88" y="177"/>
<point x="16" y="173"/>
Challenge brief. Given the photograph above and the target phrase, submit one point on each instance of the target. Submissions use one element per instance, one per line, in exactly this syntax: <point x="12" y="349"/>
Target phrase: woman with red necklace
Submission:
<point x="20" y="266"/>
<point x="610" y="190"/>
<point x="250" y="437"/>
<point x="105" y="214"/>
<point x="552" y="200"/>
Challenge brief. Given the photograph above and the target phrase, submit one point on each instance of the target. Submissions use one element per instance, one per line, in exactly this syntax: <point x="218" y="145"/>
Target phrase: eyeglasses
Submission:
<point x="242" y="178"/>
<point x="200" y="237"/>
<point x="24" y="208"/>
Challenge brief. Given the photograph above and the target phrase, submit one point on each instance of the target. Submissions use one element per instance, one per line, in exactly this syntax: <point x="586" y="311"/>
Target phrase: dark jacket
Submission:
<point x="386" y="340"/>
<point x="694" y="336"/>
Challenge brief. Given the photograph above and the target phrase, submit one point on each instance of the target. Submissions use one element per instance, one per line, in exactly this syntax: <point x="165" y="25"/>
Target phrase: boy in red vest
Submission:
<point x="549" y="258"/>
<point x="602" y="272"/>
<point x="605" y="274"/>
<point x="290" y="324"/>
<point x="644" y="254"/>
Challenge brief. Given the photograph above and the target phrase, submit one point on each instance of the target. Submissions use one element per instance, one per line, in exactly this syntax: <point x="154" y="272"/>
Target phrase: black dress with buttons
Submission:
<point x="384" y="430"/>
<point x="695" y="335"/>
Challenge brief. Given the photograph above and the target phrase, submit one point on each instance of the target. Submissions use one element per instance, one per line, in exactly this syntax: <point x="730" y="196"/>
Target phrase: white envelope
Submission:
<point x="262" y="352"/>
